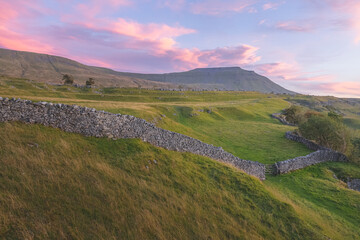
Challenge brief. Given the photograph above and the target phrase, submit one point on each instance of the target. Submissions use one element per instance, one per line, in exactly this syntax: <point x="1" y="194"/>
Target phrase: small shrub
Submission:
<point x="294" y="114"/>
<point x="68" y="79"/>
<point x="90" y="82"/>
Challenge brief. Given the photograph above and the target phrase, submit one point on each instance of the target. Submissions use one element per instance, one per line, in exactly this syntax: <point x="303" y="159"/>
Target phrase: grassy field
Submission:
<point x="61" y="185"/>
<point x="240" y="122"/>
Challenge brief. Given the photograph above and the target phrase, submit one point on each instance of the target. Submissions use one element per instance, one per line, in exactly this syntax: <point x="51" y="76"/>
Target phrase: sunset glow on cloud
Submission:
<point x="306" y="46"/>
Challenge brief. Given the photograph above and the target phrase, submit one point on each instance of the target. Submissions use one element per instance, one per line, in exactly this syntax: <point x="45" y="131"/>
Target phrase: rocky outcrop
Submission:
<point x="90" y="122"/>
<point x="308" y="160"/>
<point x="281" y="118"/>
<point x="354" y="184"/>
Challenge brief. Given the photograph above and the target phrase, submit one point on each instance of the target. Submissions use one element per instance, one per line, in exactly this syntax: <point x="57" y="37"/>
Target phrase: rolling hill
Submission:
<point x="49" y="69"/>
<point x="55" y="184"/>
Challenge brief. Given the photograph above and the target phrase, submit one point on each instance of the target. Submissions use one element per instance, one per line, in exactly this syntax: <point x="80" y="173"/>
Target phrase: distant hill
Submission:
<point x="223" y="78"/>
<point x="48" y="68"/>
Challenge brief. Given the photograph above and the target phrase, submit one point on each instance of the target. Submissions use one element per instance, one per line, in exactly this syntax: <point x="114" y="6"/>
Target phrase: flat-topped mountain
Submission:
<point x="49" y="69"/>
<point x="223" y="78"/>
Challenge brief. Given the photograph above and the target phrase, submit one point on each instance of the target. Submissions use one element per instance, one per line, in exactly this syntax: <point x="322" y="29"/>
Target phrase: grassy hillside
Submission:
<point x="50" y="69"/>
<point x="349" y="108"/>
<point x="59" y="184"/>
<point x="240" y="122"/>
<point x="321" y="199"/>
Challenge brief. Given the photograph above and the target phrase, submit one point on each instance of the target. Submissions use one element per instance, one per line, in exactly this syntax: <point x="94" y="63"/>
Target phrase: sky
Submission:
<point x="308" y="46"/>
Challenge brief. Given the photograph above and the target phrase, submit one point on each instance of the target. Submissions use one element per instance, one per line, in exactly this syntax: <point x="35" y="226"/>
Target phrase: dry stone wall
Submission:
<point x="281" y="118"/>
<point x="309" y="144"/>
<point x="354" y="184"/>
<point x="322" y="154"/>
<point x="304" y="161"/>
<point x="90" y="122"/>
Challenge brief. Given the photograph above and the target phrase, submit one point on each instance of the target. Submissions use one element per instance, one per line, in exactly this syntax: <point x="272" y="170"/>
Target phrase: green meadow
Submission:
<point x="240" y="122"/>
<point x="62" y="185"/>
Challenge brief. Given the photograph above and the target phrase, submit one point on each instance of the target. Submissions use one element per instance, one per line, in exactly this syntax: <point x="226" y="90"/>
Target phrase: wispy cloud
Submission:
<point x="291" y="26"/>
<point x="218" y="7"/>
<point x="291" y="72"/>
<point x="272" y="5"/>
<point x="294" y="26"/>
<point x="226" y="56"/>
<point x="279" y="70"/>
<point x="340" y="89"/>
<point x="347" y="13"/>
<point x="347" y="89"/>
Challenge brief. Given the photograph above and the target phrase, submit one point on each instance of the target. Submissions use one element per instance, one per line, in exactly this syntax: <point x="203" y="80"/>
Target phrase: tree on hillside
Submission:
<point x="356" y="150"/>
<point x="336" y="116"/>
<point x="327" y="132"/>
<point x="310" y="113"/>
<point x="90" y="82"/>
<point x="68" y="79"/>
<point x="294" y="114"/>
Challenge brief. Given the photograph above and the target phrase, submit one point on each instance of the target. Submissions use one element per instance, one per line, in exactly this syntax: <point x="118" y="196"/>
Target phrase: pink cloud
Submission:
<point x="350" y="10"/>
<point x="291" y="72"/>
<point x="340" y="89"/>
<point x="272" y="5"/>
<point x="293" y="26"/>
<point x="84" y="35"/>
<point x="292" y="77"/>
<point x="159" y="41"/>
<point x="150" y="31"/>
<point x="239" y="55"/>
<point x="13" y="40"/>
<point x="280" y="70"/>
<point x="11" y="35"/>
<point x="154" y="37"/>
<point x="10" y="12"/>
<point x="94" y="7"/>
